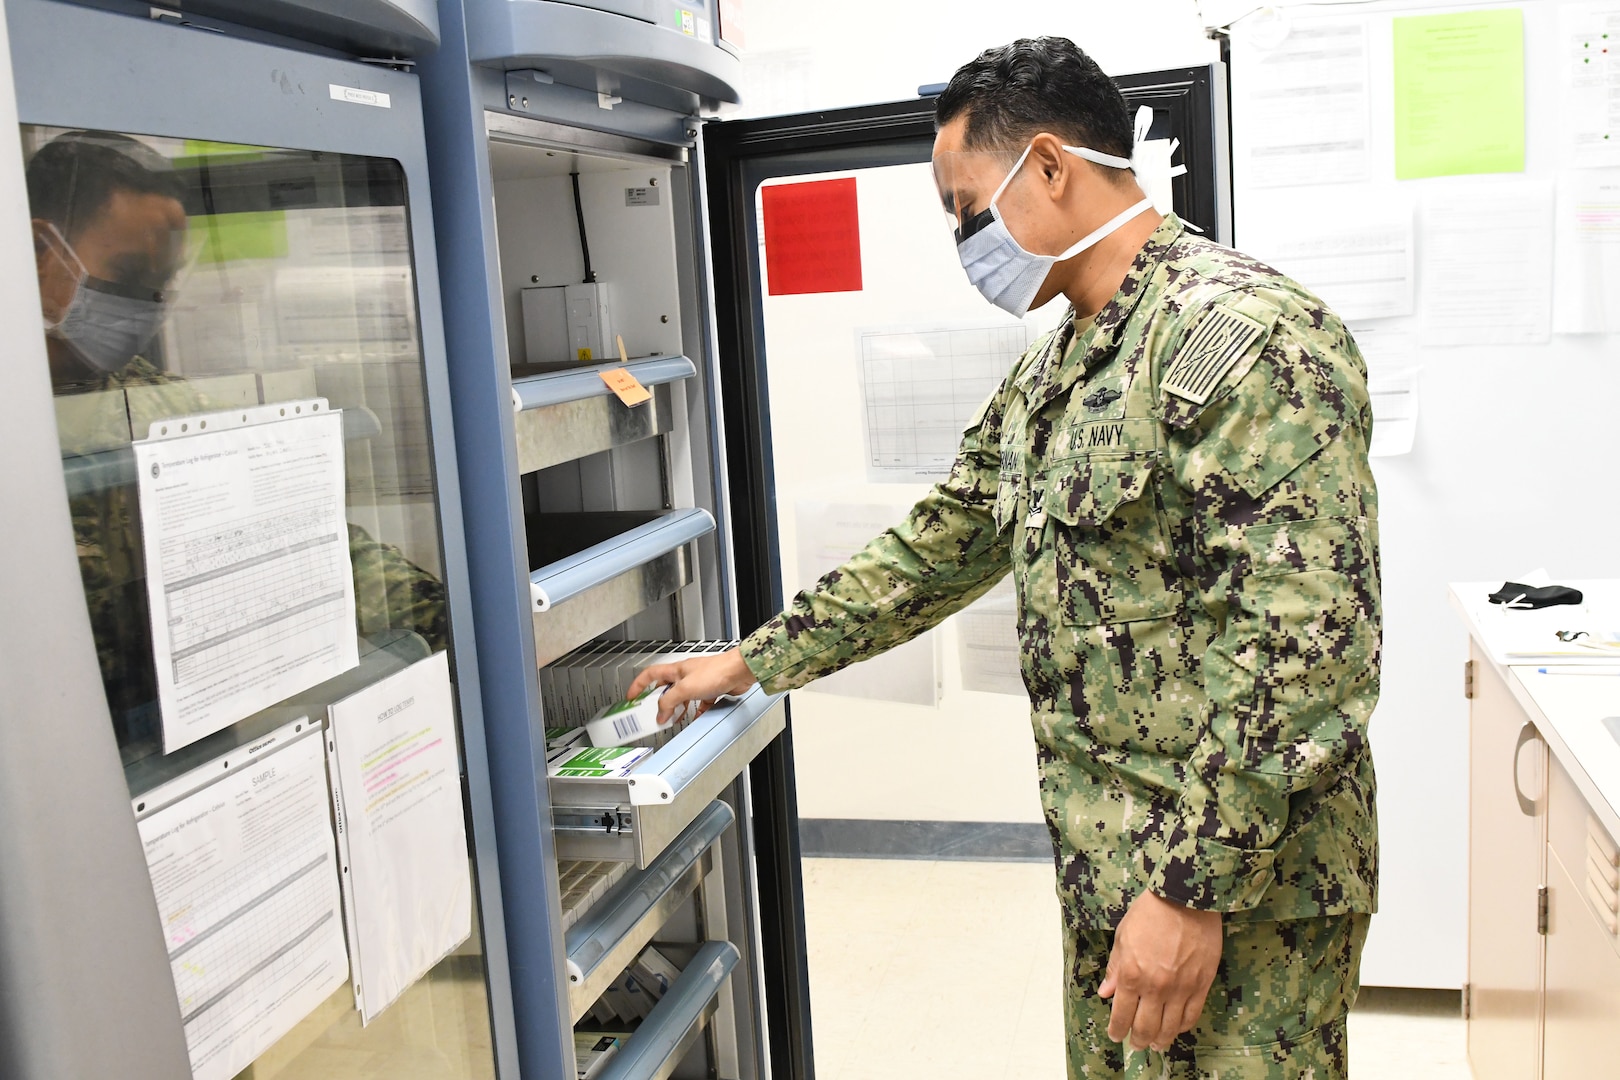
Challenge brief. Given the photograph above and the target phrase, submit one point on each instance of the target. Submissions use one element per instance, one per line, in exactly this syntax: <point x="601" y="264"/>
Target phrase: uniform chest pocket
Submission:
<point x="1109" y="541"/>
<point x="1005" y="510"/>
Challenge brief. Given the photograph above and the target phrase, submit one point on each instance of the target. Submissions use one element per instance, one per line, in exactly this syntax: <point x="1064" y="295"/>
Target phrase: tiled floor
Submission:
<point x="951" y="970"/>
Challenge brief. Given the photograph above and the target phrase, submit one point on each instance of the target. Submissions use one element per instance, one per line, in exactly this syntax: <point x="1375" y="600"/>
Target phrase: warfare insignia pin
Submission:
<point x="1101" y="398"/>
<point x="1219" y="340"/>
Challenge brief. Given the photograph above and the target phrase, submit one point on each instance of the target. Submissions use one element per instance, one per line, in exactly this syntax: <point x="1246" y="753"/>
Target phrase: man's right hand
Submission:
<point x="701" y="680"/>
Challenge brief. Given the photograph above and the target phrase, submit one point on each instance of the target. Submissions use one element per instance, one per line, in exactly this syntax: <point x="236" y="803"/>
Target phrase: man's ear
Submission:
<point x="57" y="282"/>
<point x="1054" y="164"/>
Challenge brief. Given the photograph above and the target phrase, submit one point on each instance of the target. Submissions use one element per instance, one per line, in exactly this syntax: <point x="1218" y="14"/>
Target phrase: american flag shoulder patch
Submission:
<point x="1219" y="340"/>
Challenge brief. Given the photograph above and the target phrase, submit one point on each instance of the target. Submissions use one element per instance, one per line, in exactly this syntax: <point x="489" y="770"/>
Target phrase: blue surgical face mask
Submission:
<point x="105" y="324"/>
<point x="998" y="266"/>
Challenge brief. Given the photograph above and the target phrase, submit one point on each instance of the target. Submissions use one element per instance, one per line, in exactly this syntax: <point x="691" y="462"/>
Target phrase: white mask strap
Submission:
<point x="1011" y="173"/>
<point x="1111" y="226"/>
<point x="62" y="246"/>
<point x="1099" y="157"/>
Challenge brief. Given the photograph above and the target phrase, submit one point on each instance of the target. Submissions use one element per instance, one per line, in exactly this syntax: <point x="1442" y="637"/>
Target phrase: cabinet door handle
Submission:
<point x="1527" y="734"/>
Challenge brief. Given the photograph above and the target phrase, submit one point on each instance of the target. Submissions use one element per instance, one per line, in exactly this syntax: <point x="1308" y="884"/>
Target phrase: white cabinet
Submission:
<point x="1582" y="985"/>
<point x="1506" y="826"/>
<point x="1543" y="952"/>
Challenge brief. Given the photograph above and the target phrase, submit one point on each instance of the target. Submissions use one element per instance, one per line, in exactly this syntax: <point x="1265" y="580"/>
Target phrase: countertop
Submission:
<point x="1569" y="703"/>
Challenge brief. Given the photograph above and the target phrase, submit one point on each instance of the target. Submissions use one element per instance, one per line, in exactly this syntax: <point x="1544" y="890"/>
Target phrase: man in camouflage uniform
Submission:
<point x="109" y="227"/>
<point x="1177" y="480"/>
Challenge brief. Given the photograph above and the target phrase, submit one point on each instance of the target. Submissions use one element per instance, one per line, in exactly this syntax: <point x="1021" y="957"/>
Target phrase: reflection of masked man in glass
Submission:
<point x="109" y="228"/>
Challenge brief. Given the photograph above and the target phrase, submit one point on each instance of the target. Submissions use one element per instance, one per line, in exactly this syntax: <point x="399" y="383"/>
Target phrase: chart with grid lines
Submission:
<point x="919" y="389"/>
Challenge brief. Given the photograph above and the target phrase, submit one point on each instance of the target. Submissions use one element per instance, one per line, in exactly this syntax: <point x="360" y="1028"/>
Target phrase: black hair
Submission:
<point x="1011" y="93"/>
<point x="73" y="177"/>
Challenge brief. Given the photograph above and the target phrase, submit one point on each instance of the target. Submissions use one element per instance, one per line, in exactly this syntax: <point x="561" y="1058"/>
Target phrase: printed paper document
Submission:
<point x="243" y="867"/>
<point x="987" y="643"/>
<point x="1589" y="59"/>
<point x="1304" y="104"/>
<point x="397" y="792"/>
<point x="1487" y="265"/>
<point x="247" y="563"/>
<point x="1586" y="299"/>
<point x="1393" y="383"/>
<point x="1459" y="93"/>
<point x="921" y="386"/>
<point x="1359" y="260"/>
<point x="827" y="535"/>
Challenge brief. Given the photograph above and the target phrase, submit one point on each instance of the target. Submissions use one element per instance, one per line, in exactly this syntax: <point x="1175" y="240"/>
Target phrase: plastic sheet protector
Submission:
<point x="247" y="561"/>
<point x="921" y="385"/>
<point x="402" y="833"/>
<point x="245" y="873"/>
<point x="987" y="643"/>
<point x="828" y="534"/>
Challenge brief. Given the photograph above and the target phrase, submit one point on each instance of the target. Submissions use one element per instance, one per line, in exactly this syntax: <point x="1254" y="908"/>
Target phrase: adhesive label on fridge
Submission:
<point x="356" y="96"/>
<point x="812" y="235"/>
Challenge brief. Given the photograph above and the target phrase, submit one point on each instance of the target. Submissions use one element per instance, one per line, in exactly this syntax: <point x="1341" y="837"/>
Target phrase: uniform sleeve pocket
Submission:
<point x="1109" y="541"/>
<point x="1311" y="599"/>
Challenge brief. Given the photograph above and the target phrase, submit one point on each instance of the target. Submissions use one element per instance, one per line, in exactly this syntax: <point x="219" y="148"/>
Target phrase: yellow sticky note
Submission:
<point x="626" y="386"/>
<point x="1459" y="93"/>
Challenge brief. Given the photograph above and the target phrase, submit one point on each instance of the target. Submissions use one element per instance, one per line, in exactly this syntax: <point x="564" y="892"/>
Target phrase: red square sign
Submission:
<point x="812" y="237"/>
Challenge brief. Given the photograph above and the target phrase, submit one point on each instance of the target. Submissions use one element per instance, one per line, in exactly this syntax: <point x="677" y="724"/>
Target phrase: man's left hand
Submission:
<point x="1160" y="971"/>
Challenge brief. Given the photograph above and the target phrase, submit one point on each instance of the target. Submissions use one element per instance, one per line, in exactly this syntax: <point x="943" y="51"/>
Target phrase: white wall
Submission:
<point x="1497" y="483"/>
<point x="854" y="52"/>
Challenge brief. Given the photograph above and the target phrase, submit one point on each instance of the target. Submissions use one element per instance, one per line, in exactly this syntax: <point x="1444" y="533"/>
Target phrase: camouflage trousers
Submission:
<point x="1277" y="1009"/>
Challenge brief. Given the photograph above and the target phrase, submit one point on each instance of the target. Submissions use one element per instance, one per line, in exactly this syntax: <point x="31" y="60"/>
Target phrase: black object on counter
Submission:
<point x="1523" y="596"/>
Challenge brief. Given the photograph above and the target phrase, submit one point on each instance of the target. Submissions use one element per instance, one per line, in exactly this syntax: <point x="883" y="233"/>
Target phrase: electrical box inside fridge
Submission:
<point x="568" y="324"/>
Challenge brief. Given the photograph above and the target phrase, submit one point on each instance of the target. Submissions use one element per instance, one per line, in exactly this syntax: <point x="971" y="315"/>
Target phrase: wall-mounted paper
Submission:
<point x="1586" y="278"/>
<point x="1359" y="260"/>
<point x="1589" y="41"/>
<point x="246" y="879"/>
<point x="828" y="534"/>
<point x="987" y="643"/>
<point x="1319" y="69"/>
<point x="247" y="562"/>
<point x="1459" y="93"/>
<point x="403" y="840"/>
<point x="1394" y="364"/>
<point x="920" y="385"/>
<point x="1395" y="412"/>
<point x="1486" y="266"/>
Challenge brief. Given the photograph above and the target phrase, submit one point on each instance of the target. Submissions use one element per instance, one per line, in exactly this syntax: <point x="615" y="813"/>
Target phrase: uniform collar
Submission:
<point x="1058" y="370"/>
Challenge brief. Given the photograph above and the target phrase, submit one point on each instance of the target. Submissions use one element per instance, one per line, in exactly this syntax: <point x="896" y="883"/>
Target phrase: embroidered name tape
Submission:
<point x="1219" y="340"/>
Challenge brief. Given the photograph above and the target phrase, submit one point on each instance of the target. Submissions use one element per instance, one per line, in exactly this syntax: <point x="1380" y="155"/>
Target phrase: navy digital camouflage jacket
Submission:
<point x="1180" y="489"/>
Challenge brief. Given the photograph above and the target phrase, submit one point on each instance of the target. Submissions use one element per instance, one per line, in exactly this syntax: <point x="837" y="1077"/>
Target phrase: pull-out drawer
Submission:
<point x="604" y="942"/>
<point x="634" y="818"/>
<point x="678" y="1020"/>
<point x="566" y="415"/>
<point x="632" y="561"/>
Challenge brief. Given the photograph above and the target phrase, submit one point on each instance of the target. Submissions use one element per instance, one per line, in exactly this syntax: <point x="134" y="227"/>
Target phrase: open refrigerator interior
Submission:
<point x="598" y="272"/>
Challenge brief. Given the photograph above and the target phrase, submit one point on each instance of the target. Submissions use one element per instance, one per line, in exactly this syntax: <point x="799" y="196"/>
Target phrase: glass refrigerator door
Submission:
<point x="234" y="345"/>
